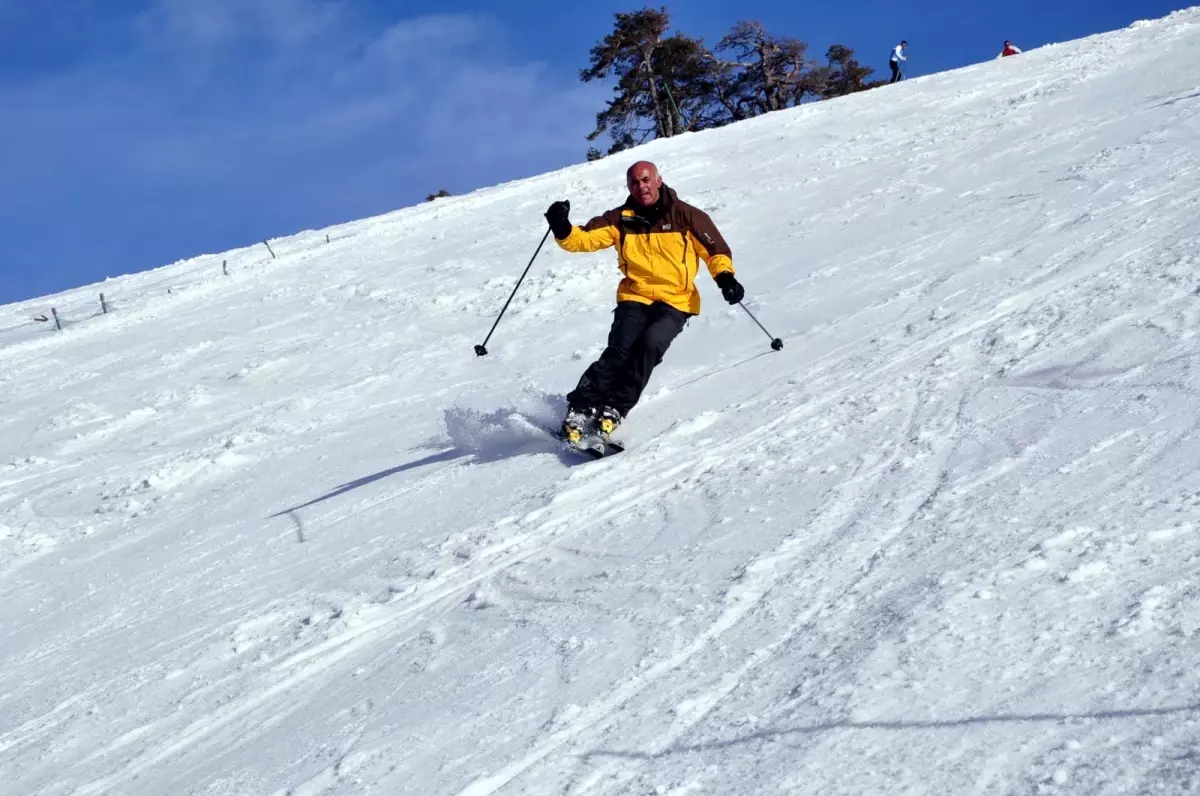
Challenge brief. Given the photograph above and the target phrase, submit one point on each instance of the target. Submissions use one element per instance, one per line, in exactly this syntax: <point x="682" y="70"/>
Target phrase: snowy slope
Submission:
<point x="283" y="532"/>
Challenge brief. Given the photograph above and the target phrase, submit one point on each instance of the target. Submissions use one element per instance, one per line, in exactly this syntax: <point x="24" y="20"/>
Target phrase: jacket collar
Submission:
<point x="649" y="216"/>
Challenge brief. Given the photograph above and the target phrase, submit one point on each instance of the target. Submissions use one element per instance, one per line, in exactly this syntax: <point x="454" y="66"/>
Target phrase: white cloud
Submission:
<point x="428" y="38"/>
<point x="205" y="24"/>
<point x="290" y="113"/>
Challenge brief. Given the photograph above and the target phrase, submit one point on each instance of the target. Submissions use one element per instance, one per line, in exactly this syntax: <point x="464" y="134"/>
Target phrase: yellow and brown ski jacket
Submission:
<point x="658" y="249"/>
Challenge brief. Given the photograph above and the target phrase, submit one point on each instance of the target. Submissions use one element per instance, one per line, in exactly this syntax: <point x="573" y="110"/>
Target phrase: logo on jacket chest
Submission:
<point x="666" y="227"/>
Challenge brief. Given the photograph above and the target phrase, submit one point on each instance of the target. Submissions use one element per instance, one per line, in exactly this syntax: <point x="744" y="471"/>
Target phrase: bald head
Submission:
<point x="644" y="182"/>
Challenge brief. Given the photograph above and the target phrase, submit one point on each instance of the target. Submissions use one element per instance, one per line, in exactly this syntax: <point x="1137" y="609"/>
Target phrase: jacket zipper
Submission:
<point x="687" y="275"/>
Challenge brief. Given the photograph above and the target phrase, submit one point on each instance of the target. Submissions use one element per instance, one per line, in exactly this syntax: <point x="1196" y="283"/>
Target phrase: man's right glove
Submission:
<point x="731" y="289"/>
<point x="559" y="217"/>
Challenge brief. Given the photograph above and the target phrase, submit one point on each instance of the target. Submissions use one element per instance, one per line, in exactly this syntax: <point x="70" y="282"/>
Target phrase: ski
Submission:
<point x="591" y="445"/>
<point x="598" y="448"/>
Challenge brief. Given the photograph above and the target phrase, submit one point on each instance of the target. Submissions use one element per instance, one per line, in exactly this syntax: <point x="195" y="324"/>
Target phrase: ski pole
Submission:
<point x="481" y="348"/>
<point x="776" y="343"/>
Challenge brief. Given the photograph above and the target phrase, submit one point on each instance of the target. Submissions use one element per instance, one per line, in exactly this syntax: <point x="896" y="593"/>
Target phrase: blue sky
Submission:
<point x="134" y="133"/>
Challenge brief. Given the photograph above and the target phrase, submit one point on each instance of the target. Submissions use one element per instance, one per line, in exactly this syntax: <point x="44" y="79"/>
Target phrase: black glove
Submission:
<point x="731" y="289"/>
<point x="558" y="216"/>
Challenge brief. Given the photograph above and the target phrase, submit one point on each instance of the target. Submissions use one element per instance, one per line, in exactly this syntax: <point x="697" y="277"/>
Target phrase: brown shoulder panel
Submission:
<point x="610" y="219"/>
<point x="705" y="230"/>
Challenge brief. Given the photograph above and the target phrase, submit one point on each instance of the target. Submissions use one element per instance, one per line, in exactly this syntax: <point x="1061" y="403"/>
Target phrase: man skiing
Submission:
<point x="896" y="59"/>
<point x="660" y="240"/>
<point x="1009" y="49"/>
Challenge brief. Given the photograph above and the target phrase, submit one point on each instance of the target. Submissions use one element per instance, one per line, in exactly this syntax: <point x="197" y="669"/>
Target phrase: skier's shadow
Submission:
<point x="485" y="456"/>
<point x="358" y="483"/>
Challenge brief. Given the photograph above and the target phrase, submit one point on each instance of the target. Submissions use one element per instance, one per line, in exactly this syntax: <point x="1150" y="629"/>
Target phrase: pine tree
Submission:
<point x="844" y="75"/>
<point x="688" y="73"/>
<point x="663" y="83"/>
<point x="667" y="85"/>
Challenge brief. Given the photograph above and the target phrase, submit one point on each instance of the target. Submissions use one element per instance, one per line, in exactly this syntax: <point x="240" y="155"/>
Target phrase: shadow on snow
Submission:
<point x="479" y="437"/>
<point x="947" y="724"/>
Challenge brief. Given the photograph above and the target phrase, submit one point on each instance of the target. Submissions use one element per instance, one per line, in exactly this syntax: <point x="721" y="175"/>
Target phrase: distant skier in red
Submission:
<point x="1009" y="49"/>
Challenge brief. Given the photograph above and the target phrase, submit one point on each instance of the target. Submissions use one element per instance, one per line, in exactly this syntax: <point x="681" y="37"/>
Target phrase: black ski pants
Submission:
<point x="640" y="335"/>
<point x="896" y="74"/>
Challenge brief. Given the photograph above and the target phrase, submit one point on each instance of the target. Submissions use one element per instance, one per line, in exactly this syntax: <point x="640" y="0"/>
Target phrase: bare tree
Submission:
<point x="768" y="74"/>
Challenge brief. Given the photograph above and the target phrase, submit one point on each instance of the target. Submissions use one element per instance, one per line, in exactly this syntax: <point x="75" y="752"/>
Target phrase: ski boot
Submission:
<point x="607" y="423"/>
<point x="576" y="424"/>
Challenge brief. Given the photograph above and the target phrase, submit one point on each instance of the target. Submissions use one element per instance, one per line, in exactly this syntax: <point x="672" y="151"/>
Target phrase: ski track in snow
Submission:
<point x="282" y="532"/>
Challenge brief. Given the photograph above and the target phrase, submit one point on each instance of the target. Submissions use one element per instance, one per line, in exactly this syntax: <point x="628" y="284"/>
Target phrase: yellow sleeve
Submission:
<point x="596" y="235"/>
<point x="719" y="264"/>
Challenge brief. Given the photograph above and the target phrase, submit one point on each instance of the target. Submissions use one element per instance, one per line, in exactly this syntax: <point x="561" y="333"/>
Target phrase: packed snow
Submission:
<point x="283" y="532"/>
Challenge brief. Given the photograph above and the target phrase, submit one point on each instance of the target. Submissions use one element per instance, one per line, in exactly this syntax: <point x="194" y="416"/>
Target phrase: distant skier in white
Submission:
<point x="1009" y="49"/>
<point x="896" y="59"/>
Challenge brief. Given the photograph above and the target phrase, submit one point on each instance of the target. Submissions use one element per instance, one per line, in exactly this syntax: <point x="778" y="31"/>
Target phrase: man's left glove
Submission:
<point x="559" y="217"/>
<point x="731" y="289"/>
